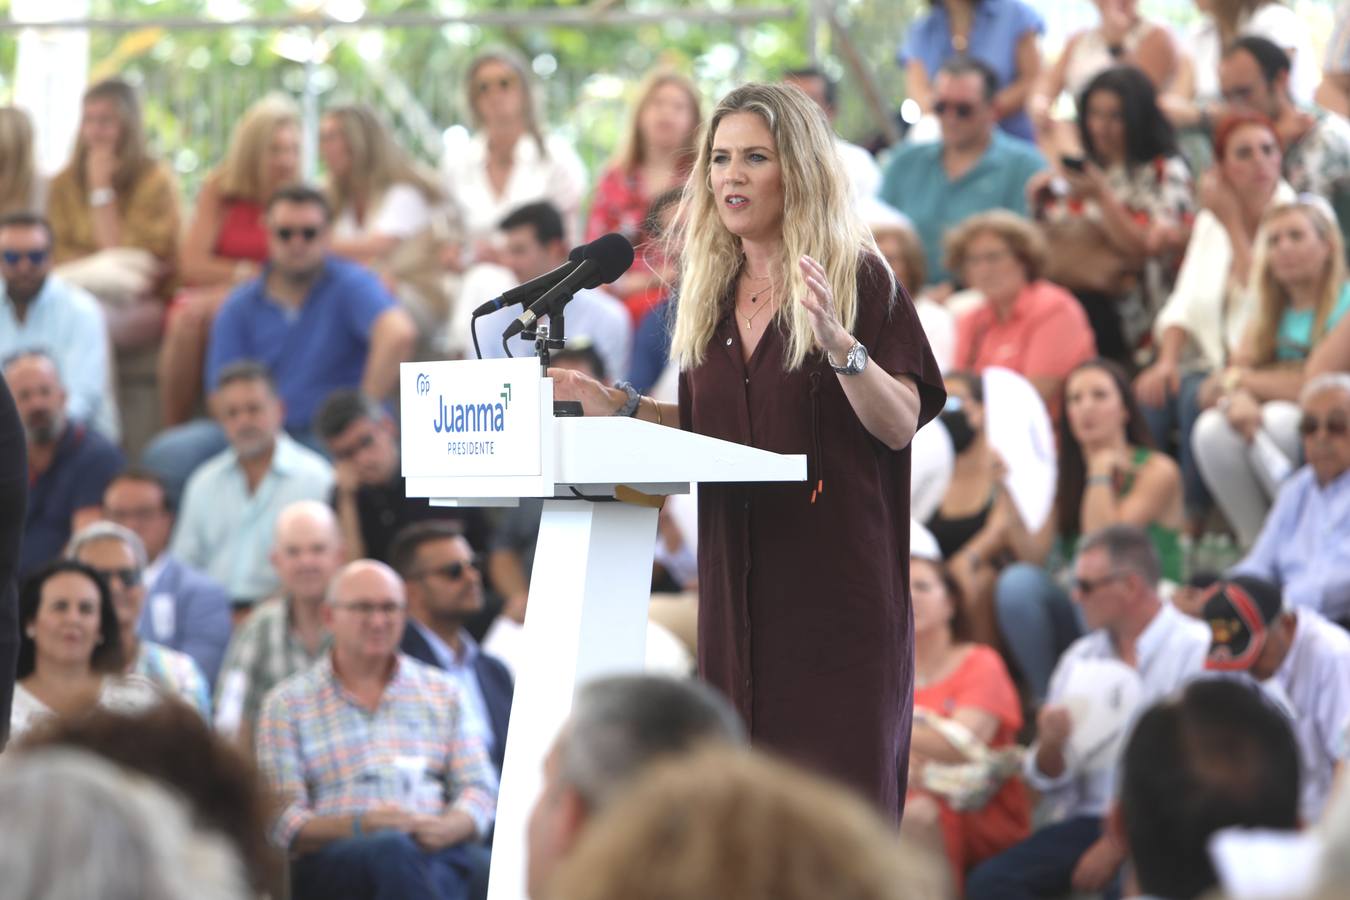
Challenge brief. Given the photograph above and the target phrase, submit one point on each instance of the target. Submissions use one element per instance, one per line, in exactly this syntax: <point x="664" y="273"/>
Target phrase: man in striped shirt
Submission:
<point x="385" y="794"/>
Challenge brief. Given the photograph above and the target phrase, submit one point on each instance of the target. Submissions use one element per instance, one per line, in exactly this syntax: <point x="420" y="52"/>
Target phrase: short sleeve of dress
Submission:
<point x="403" y="212"/>
<point x="984" y="684"/>
<point x="889" y="328"/>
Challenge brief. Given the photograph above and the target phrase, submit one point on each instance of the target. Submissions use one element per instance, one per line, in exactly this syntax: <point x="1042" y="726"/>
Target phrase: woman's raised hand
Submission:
<point x="819" y="305"/>
<point x="595" y="398"/>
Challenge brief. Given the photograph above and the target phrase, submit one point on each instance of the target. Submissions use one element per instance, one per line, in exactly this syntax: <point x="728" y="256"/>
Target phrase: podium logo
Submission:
<point x="423" y="384"/>
<point x="458" y="418"/>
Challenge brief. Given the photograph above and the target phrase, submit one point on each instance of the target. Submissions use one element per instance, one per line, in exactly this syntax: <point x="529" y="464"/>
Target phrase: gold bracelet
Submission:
<point x="656" y="404"/>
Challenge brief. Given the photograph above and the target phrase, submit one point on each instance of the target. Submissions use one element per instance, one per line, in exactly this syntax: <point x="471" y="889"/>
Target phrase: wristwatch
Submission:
<point x="102" y="196"/>
<point x="854" y="363"/>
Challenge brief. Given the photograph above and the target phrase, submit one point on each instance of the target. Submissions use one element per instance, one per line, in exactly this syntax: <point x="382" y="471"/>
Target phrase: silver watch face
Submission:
<point x="857" y="357"/>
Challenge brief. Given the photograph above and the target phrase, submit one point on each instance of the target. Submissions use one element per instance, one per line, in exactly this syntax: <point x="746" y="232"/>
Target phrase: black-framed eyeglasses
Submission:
<point x="1085" y="586"/>
<point x="1335" y="424"/>
<point x="130" y="577"/>
<point x="453" y="571"/>
<point x="307" y="233"/>
<point x="14" y="257"/>
<point x="960" y="109"/>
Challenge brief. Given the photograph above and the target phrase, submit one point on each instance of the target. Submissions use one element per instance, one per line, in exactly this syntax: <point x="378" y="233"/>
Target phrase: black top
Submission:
<point x="13" y="503"/>
<point x="955" y="532"/>
<point x="386" y="508"/>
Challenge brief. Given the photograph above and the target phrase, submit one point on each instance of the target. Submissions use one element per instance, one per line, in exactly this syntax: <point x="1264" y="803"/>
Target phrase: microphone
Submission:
<point x="603" y="260"/>
<point x="531" y="289"/>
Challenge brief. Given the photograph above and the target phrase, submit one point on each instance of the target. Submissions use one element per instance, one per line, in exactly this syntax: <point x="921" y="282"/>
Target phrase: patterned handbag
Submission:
<point x="967" y="786"/>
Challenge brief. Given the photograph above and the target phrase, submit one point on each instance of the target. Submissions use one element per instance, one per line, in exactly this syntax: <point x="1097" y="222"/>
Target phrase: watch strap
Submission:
<point x="631" y="404"/>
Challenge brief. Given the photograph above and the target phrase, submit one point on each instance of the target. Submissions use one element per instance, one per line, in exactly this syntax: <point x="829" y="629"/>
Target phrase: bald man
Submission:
<point x="68" y="464"/>
<point x="411" y="826"/>
<point x="285" y="634"/>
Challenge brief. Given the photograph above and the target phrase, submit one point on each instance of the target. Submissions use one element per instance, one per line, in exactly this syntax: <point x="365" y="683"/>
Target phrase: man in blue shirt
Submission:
<point x="1304" y="546"/>
<point x="316" y="322"/>
<point x="42" y="312"/>
<point x="69" y="465"/>
<point x="974" y="168"/>
<point x="445" y="588"/>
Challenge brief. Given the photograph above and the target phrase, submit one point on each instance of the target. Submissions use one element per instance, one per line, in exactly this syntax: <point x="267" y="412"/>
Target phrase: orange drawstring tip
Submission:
<point x="818" y="491"/>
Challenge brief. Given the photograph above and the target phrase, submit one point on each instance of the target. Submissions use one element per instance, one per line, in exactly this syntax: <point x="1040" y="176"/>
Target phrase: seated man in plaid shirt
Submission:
<point x="385" y="795"/>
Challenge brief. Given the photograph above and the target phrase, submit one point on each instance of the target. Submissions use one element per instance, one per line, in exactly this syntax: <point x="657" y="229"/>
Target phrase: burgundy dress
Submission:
<point x="804" y="610"/>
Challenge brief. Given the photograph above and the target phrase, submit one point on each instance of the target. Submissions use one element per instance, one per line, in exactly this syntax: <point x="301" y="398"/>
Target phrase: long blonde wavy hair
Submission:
<point x="377" y="162"/>
<point x="818" y="220"/>
<point x="242" y="173"/>
<point x="19" y="171"/>
<point x="1272" y="298"/>
<point x="133" y="153"/>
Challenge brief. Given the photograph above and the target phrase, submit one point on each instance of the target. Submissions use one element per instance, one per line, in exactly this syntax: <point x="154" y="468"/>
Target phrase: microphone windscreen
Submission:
<point x="612" y="254"/>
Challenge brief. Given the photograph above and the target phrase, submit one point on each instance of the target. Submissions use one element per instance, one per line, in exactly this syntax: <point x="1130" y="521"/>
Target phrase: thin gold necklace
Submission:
<point x="750" y="319"/>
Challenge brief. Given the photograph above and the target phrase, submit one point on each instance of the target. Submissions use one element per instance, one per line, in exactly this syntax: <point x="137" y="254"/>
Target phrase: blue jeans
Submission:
<point x="1038" y="622"/>
<point x="1177" y="417"/>
<point x="1040" y="866"/>
<point x="176" y="453"/>
<point x="390" y="866"/>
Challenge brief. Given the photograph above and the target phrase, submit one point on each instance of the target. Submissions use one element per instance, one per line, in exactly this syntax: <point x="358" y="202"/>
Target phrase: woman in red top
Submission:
<point x="655" y="155"/>
<point x="226" y="243"/>
<point x="968" y="684"/>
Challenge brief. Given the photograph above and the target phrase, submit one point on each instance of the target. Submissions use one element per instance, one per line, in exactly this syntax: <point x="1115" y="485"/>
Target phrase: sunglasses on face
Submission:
<point x="14" y="257"/>
<point x="454" y="571"/>
<point x="129" y="577"/>
<point x="1086" y="586"/>
<point x="307" y="234"/>
<point x="961" y="110"/>
<point x="366" y="608"/>
<point x="1335" y="424"/>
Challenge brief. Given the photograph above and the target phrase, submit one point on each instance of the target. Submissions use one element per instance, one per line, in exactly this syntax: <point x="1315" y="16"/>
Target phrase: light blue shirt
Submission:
<point x="1293" y="338"/>
<point x="227" y="532"/>
<point x="473" y="707"/>
<point x="1304" y="546"/>
<point x="66" y="322"/>
<point x="916" y="183"/>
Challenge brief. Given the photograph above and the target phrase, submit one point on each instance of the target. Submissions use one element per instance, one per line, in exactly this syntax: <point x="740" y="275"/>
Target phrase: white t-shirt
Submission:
<point x="1276" y="23"/>
<point x="402" y="212"/>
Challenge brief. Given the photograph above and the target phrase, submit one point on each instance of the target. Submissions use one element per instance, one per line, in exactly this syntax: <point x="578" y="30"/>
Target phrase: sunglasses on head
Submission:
<point x="14" y="257"/>
<point x="308" y="233"/>
<point x="961" y="110"/>
<point x="1335" y="424"/>
<point x="454" y="571"/>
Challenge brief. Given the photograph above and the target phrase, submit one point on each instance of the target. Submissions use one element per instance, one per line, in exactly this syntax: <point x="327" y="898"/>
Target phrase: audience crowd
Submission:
<point x="248" y="662"/>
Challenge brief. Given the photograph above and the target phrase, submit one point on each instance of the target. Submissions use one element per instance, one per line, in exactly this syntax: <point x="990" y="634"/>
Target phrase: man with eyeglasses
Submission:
<point x="386" y="794"/>
<point x="1116" y="577"/>
<point x="69" y="465"/>
<point x="1304" y="546"/>
<point x="370" y="494"/>
<point x="1302" y="661"/>
<point x="1254" y="75"/>
<point x="444" y="584"/>
<point x="285" y="634"/>
<point x="974" y="167"/>
<point x="44" y="311"/>
<point x="118" y="555"/>
<point x="316" y="322"/>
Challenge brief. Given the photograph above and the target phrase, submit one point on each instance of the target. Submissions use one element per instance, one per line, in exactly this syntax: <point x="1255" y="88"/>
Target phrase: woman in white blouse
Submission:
<point x="506" y="163"/>
<point x="388" y="212"/>
<point x="70" y="650"/>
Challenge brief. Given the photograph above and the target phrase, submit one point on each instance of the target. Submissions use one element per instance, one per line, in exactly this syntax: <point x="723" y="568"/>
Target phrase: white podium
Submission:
<point x="492" y="440"/>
